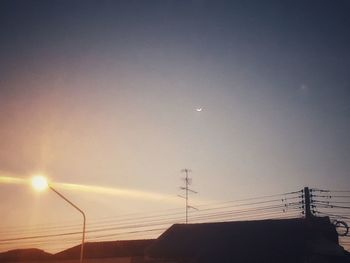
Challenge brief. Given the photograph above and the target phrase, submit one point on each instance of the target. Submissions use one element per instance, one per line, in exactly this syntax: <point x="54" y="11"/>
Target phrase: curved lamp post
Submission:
<point x="40" y="183"/>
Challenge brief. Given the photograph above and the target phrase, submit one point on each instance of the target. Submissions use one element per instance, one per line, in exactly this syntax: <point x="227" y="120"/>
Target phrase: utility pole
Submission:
<point x="307" y="203"/>
<point x="186" y="188"/>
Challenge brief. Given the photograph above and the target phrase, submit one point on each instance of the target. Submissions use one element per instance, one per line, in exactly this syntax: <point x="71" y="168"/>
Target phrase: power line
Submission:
<point x="112" y="228"/>
<point x="272" y="208"/>
<point x="128" y="215"/>
<point x="251" y="212"/>
<point x="159" y="217"/>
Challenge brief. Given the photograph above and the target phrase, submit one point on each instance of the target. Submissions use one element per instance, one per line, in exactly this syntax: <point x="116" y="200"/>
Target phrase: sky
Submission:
<point x="105" y="93"/>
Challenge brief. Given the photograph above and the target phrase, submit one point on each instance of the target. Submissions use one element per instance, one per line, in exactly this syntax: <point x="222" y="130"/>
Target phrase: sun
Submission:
<point x="39" y="183"/>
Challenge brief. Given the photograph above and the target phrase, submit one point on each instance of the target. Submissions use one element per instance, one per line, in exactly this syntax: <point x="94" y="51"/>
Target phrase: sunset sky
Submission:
<point x="105" y="94"/>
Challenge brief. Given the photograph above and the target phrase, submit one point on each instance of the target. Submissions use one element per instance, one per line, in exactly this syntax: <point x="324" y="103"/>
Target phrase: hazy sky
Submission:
<point x="105" y="93"/>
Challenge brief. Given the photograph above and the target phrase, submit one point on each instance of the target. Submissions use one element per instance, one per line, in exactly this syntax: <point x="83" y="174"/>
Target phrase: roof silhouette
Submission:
<point x="24" y="254"/>
<point x="125" y="248"/>
<point x="287" y="240"/>
<point x="272" y="241"/>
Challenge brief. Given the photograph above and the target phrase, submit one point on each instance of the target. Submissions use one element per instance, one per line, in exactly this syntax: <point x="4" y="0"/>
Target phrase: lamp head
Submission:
<point x="39" y="183"/>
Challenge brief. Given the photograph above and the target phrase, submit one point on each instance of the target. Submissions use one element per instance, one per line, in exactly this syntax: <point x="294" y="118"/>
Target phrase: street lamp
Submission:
<point x="40" y="183"/>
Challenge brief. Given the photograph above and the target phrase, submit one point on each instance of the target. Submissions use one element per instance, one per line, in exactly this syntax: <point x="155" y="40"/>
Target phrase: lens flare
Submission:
<point x="39" y="183"/>
<point x="129" y="193"/>
<point x="12" y="180"/>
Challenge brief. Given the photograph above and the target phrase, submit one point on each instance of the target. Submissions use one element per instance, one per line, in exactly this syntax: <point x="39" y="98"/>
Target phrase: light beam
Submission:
<point x="40" y="183"/>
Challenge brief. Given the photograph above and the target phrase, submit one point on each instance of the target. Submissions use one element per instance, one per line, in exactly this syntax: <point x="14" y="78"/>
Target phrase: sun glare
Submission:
<point x="39" y="183"/>
<point x="12" y="180"/>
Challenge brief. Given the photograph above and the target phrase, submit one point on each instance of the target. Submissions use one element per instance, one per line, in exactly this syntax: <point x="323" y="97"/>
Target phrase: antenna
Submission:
<point x="186" y="188"/>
